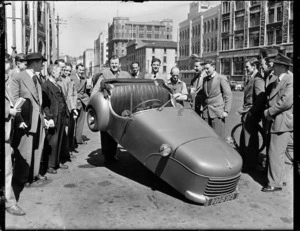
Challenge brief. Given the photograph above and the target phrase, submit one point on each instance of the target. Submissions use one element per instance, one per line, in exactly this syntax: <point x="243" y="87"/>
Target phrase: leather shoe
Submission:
<point x="15" y="210"/>
<point x="72" y="156"/>
<point x="63" y="166"/>
<point x="51" y="170"/>
<point x="271" y="189"/>
<point x="27" y="185"/>
<point x="40" y="177"/>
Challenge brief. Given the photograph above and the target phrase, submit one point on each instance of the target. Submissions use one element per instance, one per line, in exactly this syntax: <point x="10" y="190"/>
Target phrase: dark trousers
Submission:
<point x="71" y="132"/>
<point x="108" y="144"/>
<point x="79" y="125"/>
<point x="249" y="141"/>
<point x="54" y="142"/>
<point x="218" y="124"/>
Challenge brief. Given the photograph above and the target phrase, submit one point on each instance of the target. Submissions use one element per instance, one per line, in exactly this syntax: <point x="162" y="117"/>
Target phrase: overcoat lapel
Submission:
<point x="213" y="84"/>
<point x="279" y="85"/>
<point x="28" y="82"/>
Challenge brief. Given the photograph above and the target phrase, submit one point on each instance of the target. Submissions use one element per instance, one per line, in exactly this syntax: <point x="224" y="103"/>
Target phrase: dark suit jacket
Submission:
<point x="218" y="99"/>
<point x="22" y="85"/>
<point x="80" y="85"/>
<point x="141" y="75"/>
<point x="54" y="104"/>
<point x="254" y="96"/>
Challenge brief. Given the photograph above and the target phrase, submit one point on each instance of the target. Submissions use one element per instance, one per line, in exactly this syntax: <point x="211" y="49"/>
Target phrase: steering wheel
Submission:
<point x="147" y="101"/>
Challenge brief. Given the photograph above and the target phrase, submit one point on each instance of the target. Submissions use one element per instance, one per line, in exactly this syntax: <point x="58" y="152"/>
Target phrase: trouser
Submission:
<point x="55" y="138"/>
<point x="79" y="125"/>
<point x="218" y="124"/>
<point x="71" y="132"/>
<point x="279" y="143"/>
<point x="249" y="141"/>
<point x="108" y="144"/>
<point x="10" y="199"/>
<point x="28" y="155"/>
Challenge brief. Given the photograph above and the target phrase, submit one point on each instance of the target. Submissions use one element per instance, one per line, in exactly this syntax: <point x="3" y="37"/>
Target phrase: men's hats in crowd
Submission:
<point x="270" y="54"/>
<point x="35" y="56"/>
<point x="282" y="60"/>
<point x="20" y="57"/>
<point x="7" y="58"/>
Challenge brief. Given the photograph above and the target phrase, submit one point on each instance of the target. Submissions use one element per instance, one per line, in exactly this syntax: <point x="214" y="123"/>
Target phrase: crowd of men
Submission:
<point x="44" y="132"/>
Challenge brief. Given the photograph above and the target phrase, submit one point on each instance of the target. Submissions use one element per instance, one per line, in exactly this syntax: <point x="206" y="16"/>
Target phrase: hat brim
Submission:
<point x="270" y="57"/>
<point x="282" y="63"/>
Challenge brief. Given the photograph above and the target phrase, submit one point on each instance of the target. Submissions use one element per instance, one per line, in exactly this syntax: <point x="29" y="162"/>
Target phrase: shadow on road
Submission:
<point x="131" y="168"/>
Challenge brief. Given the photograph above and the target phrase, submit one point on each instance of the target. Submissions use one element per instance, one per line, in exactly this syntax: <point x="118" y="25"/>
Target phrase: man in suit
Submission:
<point x="11" y="204"/>
<point x="196" y="83"/>
<point x="135" y="70"/>
<point x="155" y="74"/>
<point x="251" y="112"/>
<point x="217" y="98"/>
<point x="109" y="145"/>
<point x="82" y="100"/>
<point x="31" y="133"/>
<point x="55" y="108"/>
<point x="280" y="114"/>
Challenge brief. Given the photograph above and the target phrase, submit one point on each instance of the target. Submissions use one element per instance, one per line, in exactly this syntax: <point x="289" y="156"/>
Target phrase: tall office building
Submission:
<point x="100" y="52"/>
<point x="122" y="30"/>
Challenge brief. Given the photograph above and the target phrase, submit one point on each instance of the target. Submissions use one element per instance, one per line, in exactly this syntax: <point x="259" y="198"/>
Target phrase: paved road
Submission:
<point x="89" y="195"/>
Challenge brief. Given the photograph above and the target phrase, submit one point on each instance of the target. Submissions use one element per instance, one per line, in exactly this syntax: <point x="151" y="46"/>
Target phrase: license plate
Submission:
<point x="217" y="200"/>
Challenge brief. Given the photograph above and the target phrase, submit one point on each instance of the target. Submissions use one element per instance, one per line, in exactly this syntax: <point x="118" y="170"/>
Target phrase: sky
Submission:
<point x="86" y="19"/>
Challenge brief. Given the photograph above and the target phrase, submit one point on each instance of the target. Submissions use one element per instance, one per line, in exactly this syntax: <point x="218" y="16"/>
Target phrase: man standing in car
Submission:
<point x="155" y="74"/>
<point x="109" y="145"/>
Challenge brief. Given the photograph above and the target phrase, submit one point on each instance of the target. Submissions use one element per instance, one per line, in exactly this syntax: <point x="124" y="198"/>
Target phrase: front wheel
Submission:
<point x="92" y="120"/>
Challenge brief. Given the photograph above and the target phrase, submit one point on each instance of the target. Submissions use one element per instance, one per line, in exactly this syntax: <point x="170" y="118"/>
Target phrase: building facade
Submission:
<point x="122" y="30"/>
<point x="30" y="27"/>
<point x="100" y="52"/>
<point x="143" y="51"/>
<point x="248" y="27"/>
<point x="88" y="62"/>
<point x="199" y="33"/>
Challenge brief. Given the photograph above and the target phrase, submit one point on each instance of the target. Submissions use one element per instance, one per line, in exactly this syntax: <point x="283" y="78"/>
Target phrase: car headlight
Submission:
<point x="165" y="150"/>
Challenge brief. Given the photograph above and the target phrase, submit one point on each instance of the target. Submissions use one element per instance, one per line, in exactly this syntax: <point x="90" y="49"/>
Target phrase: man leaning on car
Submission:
<point x="109" y="145"/>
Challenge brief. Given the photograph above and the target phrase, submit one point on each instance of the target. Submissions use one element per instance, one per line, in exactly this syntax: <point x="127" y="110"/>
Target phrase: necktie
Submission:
<point x="154" y="76"/>
<point x="35" y="80"/>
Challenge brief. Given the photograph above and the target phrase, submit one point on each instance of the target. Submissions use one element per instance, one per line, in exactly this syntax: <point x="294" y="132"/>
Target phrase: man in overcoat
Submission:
<point x="280" y="114"/>
<point x="217" y="98"/>
<point x="82" y="100"/>
<point x="30" y="133"/>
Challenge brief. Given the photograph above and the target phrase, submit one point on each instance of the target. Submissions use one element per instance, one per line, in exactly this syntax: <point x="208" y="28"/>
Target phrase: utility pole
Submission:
<point x="58" y="21"/>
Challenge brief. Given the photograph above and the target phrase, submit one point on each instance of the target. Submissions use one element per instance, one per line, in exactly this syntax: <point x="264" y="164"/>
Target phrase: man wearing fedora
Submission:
<point x="280" y="114"/>
<point x="28" y="143"/>
<point x="21" y="64"/>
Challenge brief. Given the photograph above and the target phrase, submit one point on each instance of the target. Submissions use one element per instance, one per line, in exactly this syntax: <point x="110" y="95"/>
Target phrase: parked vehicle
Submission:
<point x="174" y="143"/>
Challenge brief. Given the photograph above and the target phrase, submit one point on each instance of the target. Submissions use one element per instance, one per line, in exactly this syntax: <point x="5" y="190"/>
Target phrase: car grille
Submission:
<point x="221" y="186"/>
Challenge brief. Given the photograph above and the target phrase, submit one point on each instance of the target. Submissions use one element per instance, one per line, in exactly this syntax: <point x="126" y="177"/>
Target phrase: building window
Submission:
<point x="164" y="69"/>
<point x="291" y="32"/>
<point x="141" y="35"/>
<point x="208" y="45"/>
<point x="254" y="39"/>
<point x="134" y="35"/>
<point x="156" y="28"/>
<point x="225" y="27"/>
<point x="225" y="66"/>
<point x="239" y="41"/>
<point x="199" y="29"/>
<point x="225" y="44"/>
<point x="254" y="19"/>
<point x="253" y="3"/>
<point x="167" y="36"/>
<point x="204" y="46"/>
<point x="279" y="14"/>
<point x="278" y="36"/>
<point x="208" y="27"/>
<point x="198" y="47"/>
<point x="271" y="14"/>
<point x="204" y="27"/>
<point x="239" y="5"/>
<point x="291" y="10"/>
<point x="212" y="44"/>
<point x="239" y="23"/>
<point x="212" y="25"/>
<point x="156" y="36"/>
<point x="149" y="36"/>
<point x="149" y="28"/>
<point x="26" y="9"/>
<point x="165" y="59"/>
<point x="238" y="66"/>
<point x="270" y="37"/>
<point x="216" y="23"/>
<point x="216" y="43"/>
<point x="141" y="27"/>
<point x="226" y="7"/>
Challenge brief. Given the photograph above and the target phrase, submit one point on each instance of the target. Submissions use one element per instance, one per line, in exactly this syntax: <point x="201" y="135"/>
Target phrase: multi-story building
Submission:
<point x="199" y="33"/>
<point x="248" y="27"/>
<point x="143" y="51"/>
<point x="30" y="27"/>
<point x="88" y="58"/>
<point x="100" y="52"/>
<point x="121" y="31"/>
